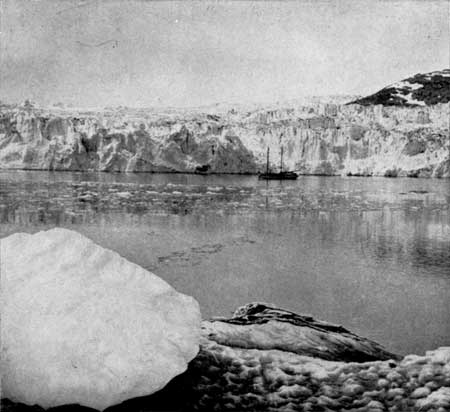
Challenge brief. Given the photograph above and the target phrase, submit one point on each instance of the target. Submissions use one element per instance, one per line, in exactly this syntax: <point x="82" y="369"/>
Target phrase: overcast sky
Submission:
<point x="143" y="53"/>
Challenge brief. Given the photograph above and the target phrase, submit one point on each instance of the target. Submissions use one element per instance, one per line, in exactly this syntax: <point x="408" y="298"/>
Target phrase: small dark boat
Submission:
<point x="202" y="170"/>
<point x="281" y="175"/>
<point x="278" y="176"/>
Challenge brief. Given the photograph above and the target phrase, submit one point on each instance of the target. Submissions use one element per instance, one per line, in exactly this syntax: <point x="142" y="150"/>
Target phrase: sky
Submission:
<point x="156" y="53"/>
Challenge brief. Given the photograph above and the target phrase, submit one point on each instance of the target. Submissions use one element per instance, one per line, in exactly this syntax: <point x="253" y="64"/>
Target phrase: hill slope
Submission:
<point x="419" y="90"/>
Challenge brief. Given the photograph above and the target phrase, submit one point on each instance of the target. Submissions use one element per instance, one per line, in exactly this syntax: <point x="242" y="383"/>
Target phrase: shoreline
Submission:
<point x="175" y="172"/>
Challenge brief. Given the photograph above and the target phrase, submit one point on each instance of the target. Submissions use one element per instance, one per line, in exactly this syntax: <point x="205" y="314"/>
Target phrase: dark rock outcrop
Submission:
<point x="420" y="89"/>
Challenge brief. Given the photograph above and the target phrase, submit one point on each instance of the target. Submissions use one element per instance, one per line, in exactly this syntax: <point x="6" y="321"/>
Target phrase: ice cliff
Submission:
<point x="317" y="138"/>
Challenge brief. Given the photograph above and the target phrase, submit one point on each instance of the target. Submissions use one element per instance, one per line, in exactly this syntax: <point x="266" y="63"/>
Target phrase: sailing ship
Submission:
<point x="281" y="175"/>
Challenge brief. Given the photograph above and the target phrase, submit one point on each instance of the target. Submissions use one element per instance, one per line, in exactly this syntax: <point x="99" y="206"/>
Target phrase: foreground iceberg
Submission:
<point x="268" y="359"/>
<point x="253" y="362"/>
<point x="80" y="324"/>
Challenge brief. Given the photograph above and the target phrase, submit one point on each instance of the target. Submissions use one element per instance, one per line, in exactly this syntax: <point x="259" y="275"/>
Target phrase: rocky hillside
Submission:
<point x="317" y="138"/>
<point x="419" y="90"/>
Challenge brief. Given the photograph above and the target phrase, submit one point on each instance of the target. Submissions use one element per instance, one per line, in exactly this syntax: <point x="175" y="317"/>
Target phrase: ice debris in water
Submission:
<point x="123" y="194"/>
<point x="81" y="324"/>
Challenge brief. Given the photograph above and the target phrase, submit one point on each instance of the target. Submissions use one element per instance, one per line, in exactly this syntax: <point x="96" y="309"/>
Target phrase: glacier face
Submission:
<point x="319" y="138"/>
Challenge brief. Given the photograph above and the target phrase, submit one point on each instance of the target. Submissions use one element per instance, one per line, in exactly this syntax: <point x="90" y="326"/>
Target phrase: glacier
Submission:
<point x="82" y="325"/>
<point x="317" y="138"/>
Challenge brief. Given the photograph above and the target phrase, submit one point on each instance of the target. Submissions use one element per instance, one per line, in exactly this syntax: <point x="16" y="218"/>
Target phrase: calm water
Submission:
<point x="370" y="253"/>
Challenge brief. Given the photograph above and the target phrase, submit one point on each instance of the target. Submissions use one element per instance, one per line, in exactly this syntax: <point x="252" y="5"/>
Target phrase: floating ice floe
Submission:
<point x="123" y="194"/>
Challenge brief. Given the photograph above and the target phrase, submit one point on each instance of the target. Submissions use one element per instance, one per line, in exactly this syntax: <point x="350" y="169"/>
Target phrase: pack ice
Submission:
<point x="80" y="324"/>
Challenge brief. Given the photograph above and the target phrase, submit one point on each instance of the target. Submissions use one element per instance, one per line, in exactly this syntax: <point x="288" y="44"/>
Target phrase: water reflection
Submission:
<point x="373" y="254"/>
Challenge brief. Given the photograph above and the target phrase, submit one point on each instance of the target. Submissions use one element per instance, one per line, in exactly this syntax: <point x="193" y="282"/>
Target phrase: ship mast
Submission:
<point x="267" y="164"/>
<point x="281" y="160"/>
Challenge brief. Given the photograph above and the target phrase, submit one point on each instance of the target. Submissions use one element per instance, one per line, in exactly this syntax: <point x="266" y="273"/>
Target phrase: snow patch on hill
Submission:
<point x="419" y="90"/>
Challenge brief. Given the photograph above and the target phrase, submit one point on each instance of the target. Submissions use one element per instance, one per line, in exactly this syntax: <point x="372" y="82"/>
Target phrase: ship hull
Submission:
<point x="278" y="176"/>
